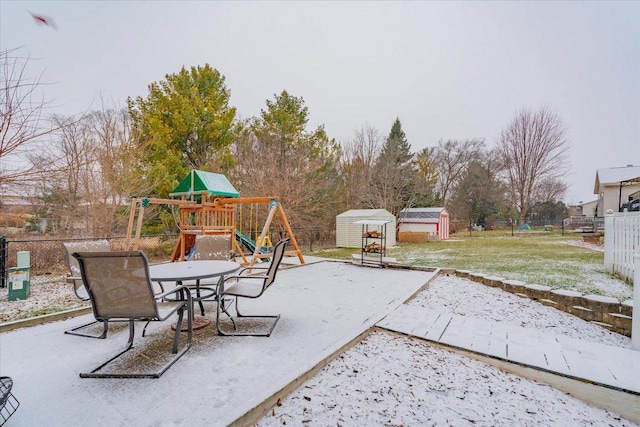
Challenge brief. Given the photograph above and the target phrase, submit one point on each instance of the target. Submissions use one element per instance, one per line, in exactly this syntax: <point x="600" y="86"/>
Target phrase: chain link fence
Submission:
<point x="49" y="264"/>
<point x="48" y="260"/>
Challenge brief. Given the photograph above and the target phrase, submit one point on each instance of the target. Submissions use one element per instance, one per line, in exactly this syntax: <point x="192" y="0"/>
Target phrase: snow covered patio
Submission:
<point x="325" y="307"/>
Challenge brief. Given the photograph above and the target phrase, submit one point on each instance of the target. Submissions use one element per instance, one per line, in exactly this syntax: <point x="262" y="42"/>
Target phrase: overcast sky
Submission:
<point x="448" y="70"/>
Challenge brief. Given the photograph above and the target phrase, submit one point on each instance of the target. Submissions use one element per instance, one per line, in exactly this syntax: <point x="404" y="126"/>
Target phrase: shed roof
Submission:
<point x="360" y="213"/>
<point x="616" y="176"/>
<point x="418" y="212"/>
<point x="197" y="182"/>
<point x="426" y="215"/>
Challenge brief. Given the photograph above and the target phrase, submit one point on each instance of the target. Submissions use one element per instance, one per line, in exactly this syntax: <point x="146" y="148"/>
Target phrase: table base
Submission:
<point x="198" y="323"/>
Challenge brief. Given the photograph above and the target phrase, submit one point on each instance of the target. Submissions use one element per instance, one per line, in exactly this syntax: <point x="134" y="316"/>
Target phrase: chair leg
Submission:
<point x="96" y="374"/>
<point x="103" y="334"/>
<point x="176" y="338"/>
<point x="221" y="308"/>
<point x="274" y="320"/>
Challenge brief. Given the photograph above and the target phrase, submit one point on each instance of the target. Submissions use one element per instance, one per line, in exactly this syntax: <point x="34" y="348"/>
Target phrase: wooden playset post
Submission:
<point x="210" y="217"/>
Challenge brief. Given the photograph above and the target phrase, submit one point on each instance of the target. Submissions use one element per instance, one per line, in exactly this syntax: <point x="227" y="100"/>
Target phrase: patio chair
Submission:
<point x="247" y="285"/>
<point x="8" y="403"/>
<point x="212" y="246"/>
<point x="120" y="291"/>
<point x="209" y="247"/>
<point x="75" y="278"/>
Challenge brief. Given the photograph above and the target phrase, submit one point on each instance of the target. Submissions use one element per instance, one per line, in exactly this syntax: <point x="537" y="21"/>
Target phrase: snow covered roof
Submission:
<point x="366" y="213"/>
<point x="425" y="215"/>
<point x="609" y="176"/>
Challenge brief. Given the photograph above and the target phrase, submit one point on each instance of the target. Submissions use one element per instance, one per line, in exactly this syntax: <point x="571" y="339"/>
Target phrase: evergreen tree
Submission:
<point x="185" y="123"/>
<point x="393" y="184"/>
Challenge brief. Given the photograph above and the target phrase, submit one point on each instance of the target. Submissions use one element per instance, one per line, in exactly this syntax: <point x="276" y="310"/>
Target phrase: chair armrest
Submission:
<point x="253" y="267"/>
<point x="173" y="291"/>
<point x="238" y="276"/>
<point x="72" y="279"/>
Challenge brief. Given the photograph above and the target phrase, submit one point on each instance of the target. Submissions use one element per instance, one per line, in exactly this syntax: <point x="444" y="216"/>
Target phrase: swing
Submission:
<point x="266" y="242"/>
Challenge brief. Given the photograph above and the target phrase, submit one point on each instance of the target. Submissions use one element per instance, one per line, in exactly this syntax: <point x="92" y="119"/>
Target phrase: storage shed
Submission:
<point x="423" y="225"/>
<point x="349" y="234"/>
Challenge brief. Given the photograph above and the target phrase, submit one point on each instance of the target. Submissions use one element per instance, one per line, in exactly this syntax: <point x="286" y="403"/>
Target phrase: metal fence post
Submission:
<point x="3" y="261"/>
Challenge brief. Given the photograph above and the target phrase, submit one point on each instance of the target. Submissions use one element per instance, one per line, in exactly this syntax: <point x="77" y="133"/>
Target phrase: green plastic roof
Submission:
<point x="197" y="181"/>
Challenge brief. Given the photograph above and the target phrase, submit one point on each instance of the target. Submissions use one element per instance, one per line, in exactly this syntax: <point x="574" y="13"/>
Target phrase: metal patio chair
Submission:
<point x="212" y="246"/>
<point x="120" y="291"/>
<point x="248" y="285"/>
<point x="209" y="247"/>
<point x="8" y="402"/>
<point x="75" y="279"/>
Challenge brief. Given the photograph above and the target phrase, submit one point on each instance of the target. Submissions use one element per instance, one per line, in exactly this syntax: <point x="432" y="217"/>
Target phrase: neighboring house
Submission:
<point x="423" y="225"/>
<point x="614" y="186"/>
<point x="349" y="234"/>
<point x="17" y="204"/>
<point x="15" y="211"/>
<point x="587" y="209"/>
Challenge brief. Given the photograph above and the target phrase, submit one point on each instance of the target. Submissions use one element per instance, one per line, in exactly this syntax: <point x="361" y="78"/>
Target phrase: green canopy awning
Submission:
<point x="199" y="182"/>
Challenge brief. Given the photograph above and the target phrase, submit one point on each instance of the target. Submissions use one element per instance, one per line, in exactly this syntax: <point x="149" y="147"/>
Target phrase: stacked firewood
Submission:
<point x="373" y="248"/>
<point x="375" y="234"/>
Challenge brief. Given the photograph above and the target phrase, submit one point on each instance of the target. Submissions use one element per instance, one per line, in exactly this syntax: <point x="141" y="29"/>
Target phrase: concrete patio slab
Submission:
<point x="324" y="306"/>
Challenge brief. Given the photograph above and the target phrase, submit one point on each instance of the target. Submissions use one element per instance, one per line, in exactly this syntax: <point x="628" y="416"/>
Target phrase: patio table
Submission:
<point x="180" y="272"/>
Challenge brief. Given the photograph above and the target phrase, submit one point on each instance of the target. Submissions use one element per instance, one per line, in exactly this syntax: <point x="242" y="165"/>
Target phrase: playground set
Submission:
<point x="209" y="204"/>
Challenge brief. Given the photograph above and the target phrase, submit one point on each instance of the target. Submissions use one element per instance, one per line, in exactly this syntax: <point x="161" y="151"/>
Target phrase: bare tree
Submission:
<point x="113" y="178"/>
<point x="90" y="174"/>
<point x="66" y="186"/>
<point x="533" y="147"/>
<point x="277" y="156"/>
<point x="479" y="195"/>
<point x="357" y="165"/>
<point x="452" y="160"/>
<point x="21" y="116"/>
<point x="550" y="190"/>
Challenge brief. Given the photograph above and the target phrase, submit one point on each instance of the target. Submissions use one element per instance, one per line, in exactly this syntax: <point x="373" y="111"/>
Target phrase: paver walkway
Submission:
<point x="614" y="367"/>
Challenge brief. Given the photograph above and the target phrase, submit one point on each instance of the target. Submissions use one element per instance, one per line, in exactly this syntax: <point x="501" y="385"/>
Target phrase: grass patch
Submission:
<point x="549" y="260"/>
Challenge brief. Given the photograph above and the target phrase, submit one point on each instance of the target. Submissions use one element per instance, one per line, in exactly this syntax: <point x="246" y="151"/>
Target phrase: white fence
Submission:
<point x="621" y="242"/>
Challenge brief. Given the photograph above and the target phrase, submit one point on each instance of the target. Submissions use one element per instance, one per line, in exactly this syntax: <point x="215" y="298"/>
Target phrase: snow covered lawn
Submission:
<point x="390" y="379"/>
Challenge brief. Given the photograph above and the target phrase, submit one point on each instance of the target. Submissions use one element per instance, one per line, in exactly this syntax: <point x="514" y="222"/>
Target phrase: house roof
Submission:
<point x="197" y="182"/>
<point x="614" y="176"/>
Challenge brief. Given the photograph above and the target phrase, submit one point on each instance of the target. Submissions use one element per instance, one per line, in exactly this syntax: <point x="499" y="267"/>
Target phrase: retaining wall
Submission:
<point x="607" y="312"/>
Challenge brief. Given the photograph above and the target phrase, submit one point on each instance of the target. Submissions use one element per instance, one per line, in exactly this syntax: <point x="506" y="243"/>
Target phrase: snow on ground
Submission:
<point x="593" y="246"/>
<point x="393" y="380"/>
<point x="466" y="297"/>
<point x="42" y="297"/>
<point x="389" y="379"/>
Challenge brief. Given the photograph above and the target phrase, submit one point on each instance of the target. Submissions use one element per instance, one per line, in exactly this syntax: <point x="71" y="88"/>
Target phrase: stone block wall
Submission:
<point x="604" y="311"/>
